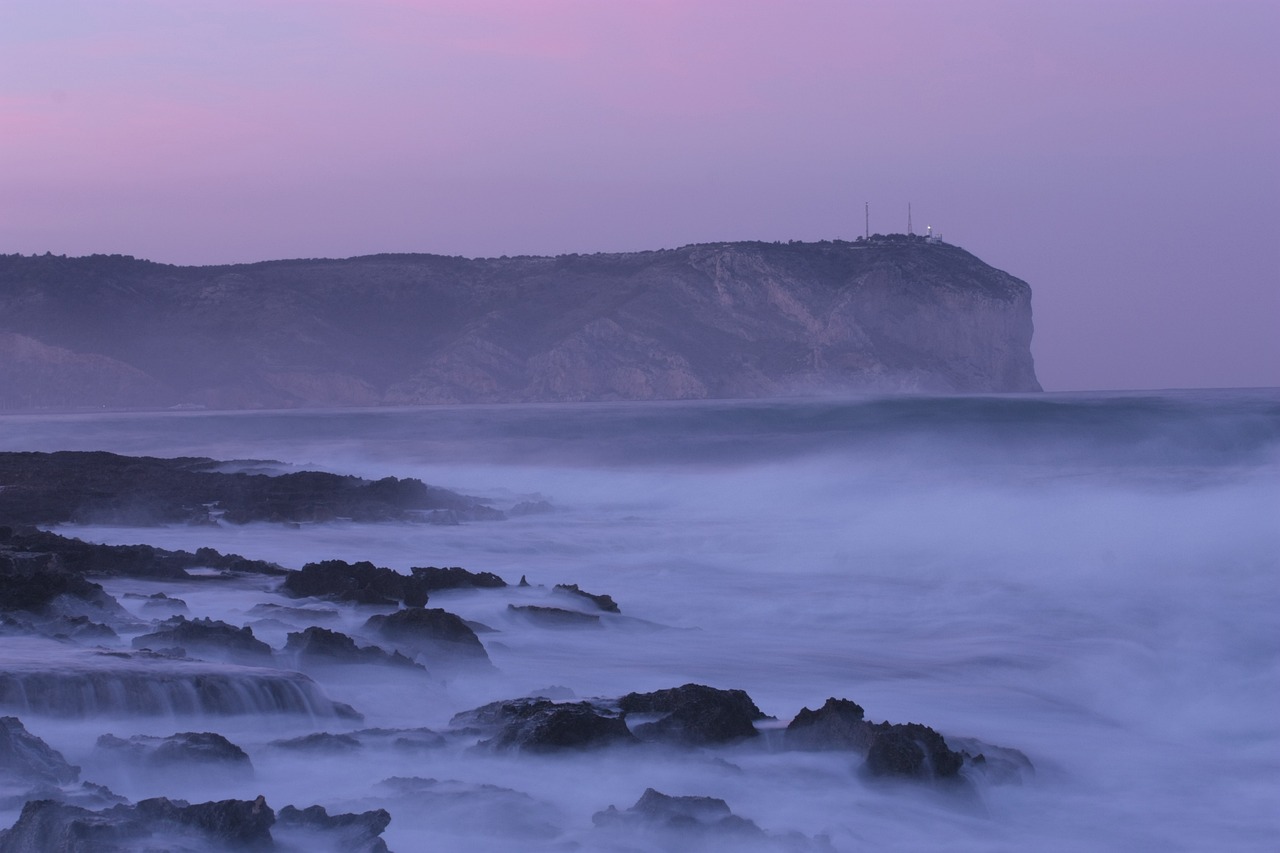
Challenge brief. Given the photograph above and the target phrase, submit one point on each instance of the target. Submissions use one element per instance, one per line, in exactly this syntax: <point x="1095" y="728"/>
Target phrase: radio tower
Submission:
<point x="909" y="231"/>
<point x="867" y="212"/>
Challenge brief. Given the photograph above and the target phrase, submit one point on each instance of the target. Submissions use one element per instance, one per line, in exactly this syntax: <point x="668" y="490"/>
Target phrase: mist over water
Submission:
<point x="1090" y="579"/>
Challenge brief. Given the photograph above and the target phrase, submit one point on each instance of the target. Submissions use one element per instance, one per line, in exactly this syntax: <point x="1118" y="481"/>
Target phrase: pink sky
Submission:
<point x="1120" y="156"/>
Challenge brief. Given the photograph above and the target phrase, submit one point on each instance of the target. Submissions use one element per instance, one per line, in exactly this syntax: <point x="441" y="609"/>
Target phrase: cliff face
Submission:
<point x="716" y="320"/>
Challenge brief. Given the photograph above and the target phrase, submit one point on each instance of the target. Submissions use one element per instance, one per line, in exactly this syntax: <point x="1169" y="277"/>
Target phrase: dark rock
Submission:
<point x="79" y="628"/>
<point x="655" y="811"/>
<point x="46" y="825"/>
<point x="419" y="738"/>
<point x="431" y="579"/>
<point x="143" y="561"/>
<point x="209" y="637"/>
<point x="837" y="725"/>
<point x="34" y="583"/>
<point x="540" y="725"/>
<point x="205" y="750"/>
<point x="320" y="742"/>
<point x="912" y="751"/>
<point x="314" y="827"/>
<point x="555" y="617"/>
<point x="604" y="602"/>
<point x="694" y="714"/>
<point x="362" y="582"/>
<point x="105" y="488"/>
<point x="160" y="601"/>
<point x="439" y="634"/>
<point x="998" y="765"/>
<point x="320" y="646"/>
<point x="27" y="759"/>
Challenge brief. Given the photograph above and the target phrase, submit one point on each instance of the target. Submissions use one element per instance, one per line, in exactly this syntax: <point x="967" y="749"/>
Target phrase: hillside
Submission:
<point x="703" y="321"/>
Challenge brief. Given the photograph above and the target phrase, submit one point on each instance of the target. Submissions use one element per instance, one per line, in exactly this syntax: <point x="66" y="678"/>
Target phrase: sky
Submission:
<point x="1121" y="156"/>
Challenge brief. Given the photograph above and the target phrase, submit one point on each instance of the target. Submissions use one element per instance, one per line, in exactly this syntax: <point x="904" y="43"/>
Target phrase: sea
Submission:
<point x="1092" y="579"/>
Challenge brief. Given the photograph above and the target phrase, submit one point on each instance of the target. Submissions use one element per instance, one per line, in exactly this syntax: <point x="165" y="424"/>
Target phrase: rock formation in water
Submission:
<point x="720" y="320"/>
<point x="105" y="488"/>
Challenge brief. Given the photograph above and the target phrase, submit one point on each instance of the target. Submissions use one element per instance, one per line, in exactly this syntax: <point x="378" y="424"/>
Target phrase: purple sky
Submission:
<point x="1123" y="157"/>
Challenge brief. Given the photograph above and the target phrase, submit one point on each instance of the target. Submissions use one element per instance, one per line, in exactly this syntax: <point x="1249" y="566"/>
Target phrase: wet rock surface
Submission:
<point x="205" y="750"/>
<point x="694" y="715"/>
<point x="27" y="760"/>
<point x="541" y="725"/>
<point x="105" y="488"/>
<point x="365" y="583"/>
<point x="163" y="824"/>
<point x="140" y="561"/>
<point x="554" y="617"/>
<point x="320" y="647"/>
<point x="603" y="602"/>
<point x="208" y="637"/>
<point x="437" y="634"/>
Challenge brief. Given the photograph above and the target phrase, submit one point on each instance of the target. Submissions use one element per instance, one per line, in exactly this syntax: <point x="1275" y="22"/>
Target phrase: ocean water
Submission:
<point x="1093" y="580"/>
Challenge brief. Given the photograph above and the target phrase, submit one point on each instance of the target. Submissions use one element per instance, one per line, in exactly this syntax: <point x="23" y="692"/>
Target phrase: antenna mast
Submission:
<point x="909" y="231"/>
<point x="868" y="216"/>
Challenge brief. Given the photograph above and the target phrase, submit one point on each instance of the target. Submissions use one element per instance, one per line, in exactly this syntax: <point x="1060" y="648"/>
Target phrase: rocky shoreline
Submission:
<point x="91" y="652"/>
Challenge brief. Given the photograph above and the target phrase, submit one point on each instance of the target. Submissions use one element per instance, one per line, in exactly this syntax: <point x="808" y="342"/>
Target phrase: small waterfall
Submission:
<point x="188" y="689"/>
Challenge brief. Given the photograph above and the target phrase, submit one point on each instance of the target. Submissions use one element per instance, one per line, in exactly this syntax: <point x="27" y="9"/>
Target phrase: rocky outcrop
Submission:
<point x="201" y="752"/>
<point x="438" y="635"/>
<point x="694" y="714"/>
<point x="106" y="488"/>
<point x="26" y="759"/>
<point x="163" y="823"/>
<point x="892" y="313"/>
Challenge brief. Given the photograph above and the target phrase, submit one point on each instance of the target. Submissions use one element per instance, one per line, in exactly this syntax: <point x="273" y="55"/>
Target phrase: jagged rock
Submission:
<point x="142" y="561"/>
<point x="362" y="582"/>
<point x="159" y="602"/>
<point x="555" y="617"/>
<point x="419" y="738"/>
<point x="695" y="824"/>
<point x="26" y="759"/>
<point x="837" y="725"/>
<point x="657" y="810"/>
<point x="912" y="751"/>
<point x="33" y="583"/>
<point x="106" y="488"/>
<point x="46" y="825"/>
<point x="439" y="634"/>
<point x="999" y="765"/>
<point x="208" y="637"/>
<point x="604" y="602"/>
<point x="320" y="742"/>
<point x="431" y="579"/>
<point x="365" y="583"/>
<point x="313" y="829"/>
<point x="904" y="750"/>
<point x="694" y="714"/>
<point x="319" y="646"/>
<point x="203" y="750"/>
<point x="540" y="725"/>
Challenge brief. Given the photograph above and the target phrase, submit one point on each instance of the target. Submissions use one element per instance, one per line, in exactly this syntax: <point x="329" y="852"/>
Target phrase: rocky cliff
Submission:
<point x="713" y="320"/>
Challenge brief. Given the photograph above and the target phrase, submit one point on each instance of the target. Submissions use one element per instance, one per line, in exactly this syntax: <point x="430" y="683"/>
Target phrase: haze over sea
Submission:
<point x="1092" y="579"/>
